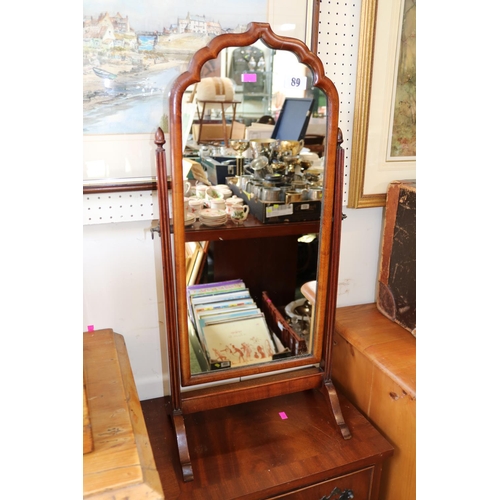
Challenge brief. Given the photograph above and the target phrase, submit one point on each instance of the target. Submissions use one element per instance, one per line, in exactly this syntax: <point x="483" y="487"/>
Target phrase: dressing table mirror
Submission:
<point x="259" y="255"/>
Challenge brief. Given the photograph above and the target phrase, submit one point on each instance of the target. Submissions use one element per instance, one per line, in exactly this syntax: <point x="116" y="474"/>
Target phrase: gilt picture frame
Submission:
<point x="387" y="29"/>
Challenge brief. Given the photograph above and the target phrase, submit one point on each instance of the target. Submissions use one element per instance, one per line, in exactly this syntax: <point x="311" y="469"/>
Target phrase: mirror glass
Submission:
<point x="254" y="131"/>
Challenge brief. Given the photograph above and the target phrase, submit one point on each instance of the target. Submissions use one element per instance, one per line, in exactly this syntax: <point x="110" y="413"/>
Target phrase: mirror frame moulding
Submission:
<point x="263" y="32"/>
<point x="191" y="393"/>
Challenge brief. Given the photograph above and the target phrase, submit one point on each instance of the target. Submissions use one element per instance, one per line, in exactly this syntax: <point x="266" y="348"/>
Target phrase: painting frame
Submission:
<point x="372" y="119"/>
<point x="111" y="164"/>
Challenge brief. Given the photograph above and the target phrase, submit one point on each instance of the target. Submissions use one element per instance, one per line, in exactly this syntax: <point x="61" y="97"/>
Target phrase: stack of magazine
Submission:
<point x="231" y="328"/>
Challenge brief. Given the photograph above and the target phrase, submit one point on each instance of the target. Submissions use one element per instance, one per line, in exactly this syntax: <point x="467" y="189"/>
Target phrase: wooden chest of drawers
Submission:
<point x="360" y="482"/>
<point x="374" y="363"/>
<point x="283" y="447"/>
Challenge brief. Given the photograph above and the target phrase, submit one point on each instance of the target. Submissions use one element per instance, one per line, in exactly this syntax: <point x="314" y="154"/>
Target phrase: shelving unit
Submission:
<point x="223" y="126"/>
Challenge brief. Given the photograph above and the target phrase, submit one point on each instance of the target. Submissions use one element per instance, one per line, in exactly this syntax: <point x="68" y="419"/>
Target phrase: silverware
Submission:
<point x="262" y="147"/>
<point x="243" y="180"/>
<point x="293" y="196"/>
<point x="271" y="194"/>
<point x="315" y="193"/>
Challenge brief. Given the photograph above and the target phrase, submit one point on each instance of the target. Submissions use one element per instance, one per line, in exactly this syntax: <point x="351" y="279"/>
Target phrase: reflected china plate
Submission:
<point x="189" y="219"/>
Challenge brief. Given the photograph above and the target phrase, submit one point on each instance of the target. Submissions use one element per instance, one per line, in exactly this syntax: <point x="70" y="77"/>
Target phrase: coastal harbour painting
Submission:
<point x="133" y="51"/>
<point x="404" y="114"/>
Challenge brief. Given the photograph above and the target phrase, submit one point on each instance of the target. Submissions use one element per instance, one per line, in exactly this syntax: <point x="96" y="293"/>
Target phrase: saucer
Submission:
<point x="213" y="217"/>
<point x="189" y="219"/>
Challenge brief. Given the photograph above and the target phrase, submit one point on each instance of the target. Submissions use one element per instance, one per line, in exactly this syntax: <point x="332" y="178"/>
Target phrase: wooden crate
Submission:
<point x="288" y="337"/>
<point x="121" y="465"/>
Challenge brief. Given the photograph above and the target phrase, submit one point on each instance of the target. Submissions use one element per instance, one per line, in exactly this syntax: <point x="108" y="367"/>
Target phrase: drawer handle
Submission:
<point x="344" y="495"/>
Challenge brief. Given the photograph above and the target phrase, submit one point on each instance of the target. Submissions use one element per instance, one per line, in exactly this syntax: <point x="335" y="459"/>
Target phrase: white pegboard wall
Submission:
<point x="105" y="208"/>
<point x="338" y="40"/>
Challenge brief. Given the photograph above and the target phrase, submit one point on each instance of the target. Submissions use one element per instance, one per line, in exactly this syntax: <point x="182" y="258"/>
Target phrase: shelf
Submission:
<point x="254" y="94"/>
<point x="251" y="228"/>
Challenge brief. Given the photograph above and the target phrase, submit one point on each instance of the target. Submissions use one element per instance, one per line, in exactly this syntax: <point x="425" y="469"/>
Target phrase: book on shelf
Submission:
<point x="216" y="300"/>
<point x="213" y="319"/>
<point x="239" y="341"/>
<point x="243" y="293"/>
<point x="231" y="328"/>
<point x="211" y="288"/>
<point x="212" y="314"/>
<point x="221" y="291"/>
<point x="223" y="306"/>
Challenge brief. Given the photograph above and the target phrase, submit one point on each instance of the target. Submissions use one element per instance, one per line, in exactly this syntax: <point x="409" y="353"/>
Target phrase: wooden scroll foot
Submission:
<point x="182" y="446"/>
<point x="331" y="393"/>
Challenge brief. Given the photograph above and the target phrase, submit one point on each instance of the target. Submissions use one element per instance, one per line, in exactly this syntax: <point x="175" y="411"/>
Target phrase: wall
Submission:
<point x="121" y="265"/>
<point x="121" y="271"/>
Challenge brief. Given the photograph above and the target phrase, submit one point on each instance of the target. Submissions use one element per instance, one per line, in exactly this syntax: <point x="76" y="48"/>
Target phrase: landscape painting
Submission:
<point x="404" y="118"/>
<point x="133" y="51"/>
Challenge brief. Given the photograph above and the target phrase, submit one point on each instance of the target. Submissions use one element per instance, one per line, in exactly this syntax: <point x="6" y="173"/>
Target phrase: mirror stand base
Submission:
<point x="330" y="393"/>
<point x="182" y="445"/>
<point x="327" y="389"/>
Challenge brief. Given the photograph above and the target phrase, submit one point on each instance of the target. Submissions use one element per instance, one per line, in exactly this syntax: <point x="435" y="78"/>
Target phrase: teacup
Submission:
<point x="239" y="213"/>
<point x="224" y="191"/>
<point x="195" y="206"/>
<point x="212" y="193"/>
<point x="201" y="190"/>
<point x="233" y="202"/>
<point x="218" y="204"/>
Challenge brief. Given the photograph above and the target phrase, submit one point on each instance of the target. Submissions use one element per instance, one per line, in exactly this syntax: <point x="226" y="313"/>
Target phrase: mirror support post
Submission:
<point x="171" y="313"/>
<point x="328" y="388"/>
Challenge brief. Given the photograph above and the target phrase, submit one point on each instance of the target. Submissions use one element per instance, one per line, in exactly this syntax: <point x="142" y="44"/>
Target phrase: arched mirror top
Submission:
<point x="255" y="32"/>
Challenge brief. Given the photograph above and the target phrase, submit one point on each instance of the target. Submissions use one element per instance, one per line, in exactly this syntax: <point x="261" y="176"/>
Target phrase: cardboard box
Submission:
<point x="288" y="337"/>
<point x="213" y="132"/>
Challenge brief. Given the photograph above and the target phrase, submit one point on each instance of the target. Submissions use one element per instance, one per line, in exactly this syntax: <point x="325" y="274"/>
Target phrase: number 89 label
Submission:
<point x="295" y="82"/>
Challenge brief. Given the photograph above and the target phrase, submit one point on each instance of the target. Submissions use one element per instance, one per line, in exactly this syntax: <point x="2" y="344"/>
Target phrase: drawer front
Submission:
<point x="359" y="483"/>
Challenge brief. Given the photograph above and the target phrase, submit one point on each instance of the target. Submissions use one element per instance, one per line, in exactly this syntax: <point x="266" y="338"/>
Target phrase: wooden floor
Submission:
<point x="260" y="449"/>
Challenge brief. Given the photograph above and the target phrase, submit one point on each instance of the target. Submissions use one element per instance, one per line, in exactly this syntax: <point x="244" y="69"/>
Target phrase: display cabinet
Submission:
<point x="261" y="253"/>
<point x="251" y="69"/>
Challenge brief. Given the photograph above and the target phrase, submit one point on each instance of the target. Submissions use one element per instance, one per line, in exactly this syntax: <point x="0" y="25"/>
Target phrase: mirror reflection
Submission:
<point x="253" y="135"/>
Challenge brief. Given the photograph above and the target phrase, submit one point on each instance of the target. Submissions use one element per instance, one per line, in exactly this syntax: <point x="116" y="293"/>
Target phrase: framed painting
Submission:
<point x="384" y="134"/>
<point x="134" y="50"/>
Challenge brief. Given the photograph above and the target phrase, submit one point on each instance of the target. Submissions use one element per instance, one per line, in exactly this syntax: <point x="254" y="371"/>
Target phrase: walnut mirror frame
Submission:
<point x="277" y="377"/>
